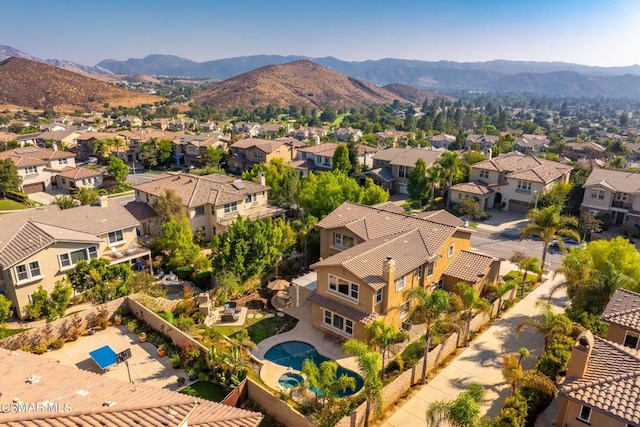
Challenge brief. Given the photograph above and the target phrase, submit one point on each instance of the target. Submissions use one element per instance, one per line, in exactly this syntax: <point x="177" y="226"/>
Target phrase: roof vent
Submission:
<point x="82" y="392"/>
<point x="33" y="379"/>
<point x="109" y="403"/>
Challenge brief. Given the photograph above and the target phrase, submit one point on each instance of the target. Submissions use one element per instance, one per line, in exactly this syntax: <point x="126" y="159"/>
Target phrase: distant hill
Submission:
<point x="10" y="52"/>
<point x="301" y="83"/>
<point x="415" y="95"/>
<point x="36" y="85"/>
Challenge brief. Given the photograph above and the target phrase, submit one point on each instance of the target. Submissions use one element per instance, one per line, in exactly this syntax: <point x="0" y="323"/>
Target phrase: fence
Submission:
<point x="274" y="406"/>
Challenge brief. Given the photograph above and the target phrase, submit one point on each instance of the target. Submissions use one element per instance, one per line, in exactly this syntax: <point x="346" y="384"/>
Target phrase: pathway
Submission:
<point x="482" y="362"/>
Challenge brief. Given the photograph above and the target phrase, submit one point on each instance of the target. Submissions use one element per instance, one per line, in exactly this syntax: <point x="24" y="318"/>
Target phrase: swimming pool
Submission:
<point x="290" y="380"/>
<point x="293" y="353"/>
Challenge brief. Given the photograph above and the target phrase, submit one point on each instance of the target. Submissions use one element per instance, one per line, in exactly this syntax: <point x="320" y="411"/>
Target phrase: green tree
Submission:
<point x="86" y="196"/>
<point x="176" y="243"/>
<point x="382" y="336"/>
<point x="38" y="307"/>
<point x="552" y="324"/>
<point x="548" y="224"/>
<point x="324" y="380"/>
<point x="168" y="206"/>
<point x="525" y="265"/>
<point x="370" y="364"/>
<point x="211" y="157"/>
<point x="283" y="181"/>
<point x="9" y="178"/>
<point x="341" y="162"/>
<point x="102" y="147"/>
<point x="417" y="185"/>
<point x="472" y="156"/>
<point x="472" y="305"/>
<point x="64" y="202"/>
<point x="117" y="168"/>
<point x="588" y="224"/>
<point x="434" y="175"/>
<point x="470" y="207"/>
<point x="501" y="289"/>
<point x="451" y="164"/>
<point x="463" y="411"/>
<point x="60" y="298"/>
<point x="5" y="309"/>
<point x="558" y="195"/>
<point x="373" y="194"/>
<point x="320" y="194"/>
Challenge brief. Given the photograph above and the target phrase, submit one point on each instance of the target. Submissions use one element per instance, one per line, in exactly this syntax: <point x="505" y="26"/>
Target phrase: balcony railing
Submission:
<point x="625" y="204"/>
<point x="522" y="190"/>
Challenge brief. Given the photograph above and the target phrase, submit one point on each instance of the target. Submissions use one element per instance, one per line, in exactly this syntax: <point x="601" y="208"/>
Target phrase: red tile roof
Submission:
<point x="623" y="310"/>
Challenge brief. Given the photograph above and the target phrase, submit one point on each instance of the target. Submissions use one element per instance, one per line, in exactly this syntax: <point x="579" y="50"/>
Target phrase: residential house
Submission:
<point x="634" y="151"/>
<point x="530" y="144"/>
<point x="347" y="134"/>
<point x="392" y="136"/>
<point x="273" y="130"/>
<point x="64" y="138"/>
<point x="616" y="193"/>
<point x="603" y="374"/>
<point x="442" y="140"/>
<point x="129" y="121"/>
<point x="392" y="166"/>
<point x="211" y="202"/>
<point x="71" y="178"/>
<point x="53" y="127"/>
<point x="304" y="133"/>
<point x="482" y="141"/>
<point x="319" y="157"/>
<point x="37" y="247"/>
<point x="6" y="137"/>
<point x="585" y="150"/>
<point x="510" y="182"/>
<point x="370" y="257"/>
<point x="161" y="123"/>
<point x="248" y="151"/>
<point x="187" y="149"/>
<point x="209" y="127"/>
<point x="37" y="166"/>
<point x="250" y="129"/>
<point x="66" y="395"/>
<point x="84" y="143"/>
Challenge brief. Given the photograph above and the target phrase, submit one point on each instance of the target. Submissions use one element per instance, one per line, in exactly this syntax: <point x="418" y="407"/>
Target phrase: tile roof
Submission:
<point x="87" y="394"/>
<point x="342" y="308"/>
<point x="390" y="207"/>
<point x="468" y="265"/>
<point x="623" y="310"/>
<point x="619" y="181"/>
<point x="407" y="156"/>
<point x="203" y="140"/>
<point x="88" y="136"/>
<point x="140" y="210"/>
<point x="611" y="383"/>
<point x="326" y="149"/>
<point x="531" y="141"/>
<point x="473" y="187"/>
<point x="266" y="145"/>
<point x="33" y="155"/>
<point x="519" y="166"/>
<point x="382" y="173"/>
<point x="580" y="146"/>
<point x="441" y="216"/>
<point x="215" y="189"/>
<point x="79" y="173"/>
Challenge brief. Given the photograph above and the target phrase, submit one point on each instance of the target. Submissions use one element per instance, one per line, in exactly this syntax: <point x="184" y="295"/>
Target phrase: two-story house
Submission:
<point x="392" y="166"/>
<point x="510" y="182"/>
<point x="187" y="149"/>
<point x="304" y="133"/>
<point x="248" y="151"/>
<point x="616" y="193"/>
<point x="38" y="246"/>
<point x="250" y="129"/>
<point x="84" y="143"/>
<point x="211" y="202"/>
<point x="347" y="134"/>
<point x="37" y="166"/>
<point x="634" y="151"/>
<point x="129" y="121"/>
<point x="603" y="374"/>
<point x="585" y="150"/>
<point x="530" y="144"/>
<point x="71" y="178"/>
<point x="482" y="142"/>
<point x="441" y="140"/>
<point x="319" y="157"/>
<point x="370" y="257"/>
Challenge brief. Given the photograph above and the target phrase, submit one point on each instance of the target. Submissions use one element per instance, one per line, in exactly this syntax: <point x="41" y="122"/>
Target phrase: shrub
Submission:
<point x="185" y="273"/>
<point x="514" y="413"/>
<point x="203" y="280"/>
<point x="184" y="323"/>
<point x="537" y="402"/>
<point x="57" y="344"/>
<point x="176" y="360"/>
<point x="17" y="197"/>
<point x="555" y="359"/>
<point x="39" y="348"/>
<point x="132" y="325"/>
<point x="507" y="304"/>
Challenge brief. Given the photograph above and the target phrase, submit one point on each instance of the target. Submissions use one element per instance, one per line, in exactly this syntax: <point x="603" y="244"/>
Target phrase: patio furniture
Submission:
<point x="232" y="306"/>
<point x="229" y="315"/>
<point x="283" y="299"/>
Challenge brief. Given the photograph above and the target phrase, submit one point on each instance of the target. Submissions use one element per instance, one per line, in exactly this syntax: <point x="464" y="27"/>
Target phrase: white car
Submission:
<point x="568" y="244"/>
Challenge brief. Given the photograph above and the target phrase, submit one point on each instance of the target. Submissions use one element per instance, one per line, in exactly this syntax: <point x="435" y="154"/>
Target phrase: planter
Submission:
<point x="406" y="325"/>
<point x="161" y="352"/>
<point x="143" y="337"/>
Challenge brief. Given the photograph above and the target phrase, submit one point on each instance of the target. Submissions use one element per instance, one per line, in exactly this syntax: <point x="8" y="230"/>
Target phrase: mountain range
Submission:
<point x="10" y="52"/>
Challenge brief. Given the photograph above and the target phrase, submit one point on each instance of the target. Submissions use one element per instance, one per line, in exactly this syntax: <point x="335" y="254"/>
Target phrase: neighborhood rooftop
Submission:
<point x="618" y="181"/>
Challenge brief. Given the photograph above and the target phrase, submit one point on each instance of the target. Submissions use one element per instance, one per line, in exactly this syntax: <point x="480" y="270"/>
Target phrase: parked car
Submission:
<point x="568" y="244"/>
<point x="91" y="161"/>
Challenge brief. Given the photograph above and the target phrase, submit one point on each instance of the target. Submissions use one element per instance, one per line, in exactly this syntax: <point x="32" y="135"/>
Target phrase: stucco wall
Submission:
<point x="274" y="406"/>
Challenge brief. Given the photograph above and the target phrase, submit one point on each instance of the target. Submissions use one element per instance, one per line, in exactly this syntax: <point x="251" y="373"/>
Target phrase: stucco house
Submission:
<point x="370" y="257"/>
<point x="483" y="141"/>
<point x="38" y="166"/>
<point x="441" y="140"/>
<point x="187" y="149"/>
<point x="250" y="129"/>
<point x="510" y="182"/>
<point x="347" y="134"/>
<point x="392" y="166"/>
<point x="38" y="246"/>
<point x="71" y="178"/>
<point x="616" y="193"/>
<point x="319" y="157"/>
<point x="531" y="144"/>
<point x="248" y="151"/>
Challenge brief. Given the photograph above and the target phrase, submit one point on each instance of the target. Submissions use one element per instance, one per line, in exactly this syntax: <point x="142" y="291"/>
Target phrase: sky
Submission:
<point x="589" y="32"/>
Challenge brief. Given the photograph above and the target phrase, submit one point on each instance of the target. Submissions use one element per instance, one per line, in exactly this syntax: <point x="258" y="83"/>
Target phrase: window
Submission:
<point x="524" y="185"/>
<point x="31" y="169"/>
<point x="231" y="207"/>
<point x="623" y="197"/>
<point x="343" y="241"/>
<point x="199" y="210"/>
<point x="64" y="181"/>
<point x="251" y="198"/>
<point x="419" y="272"/>
<point x="379" y="296"/>
<point x="70" y="259"/>
<point x="484" y="174"/>
<point x="62" y="161"/>
<point x="430" y="269"/>
<point x="631" y="340"/>
<point x="116" y="237"/>
<point x="404" y="309"/>
<point x="437" y="285"/>
<point x="403" y="171"/>
<point x="28" y="271"/>
<point x="597" y="194"/>
<point x="585" y="414"/>
<point x="338" y="322"/>
<point x="450" y="251"/>
<point x="343" y="287"/>
<point x="401" y="282"/>
<point x="258" y="155"/>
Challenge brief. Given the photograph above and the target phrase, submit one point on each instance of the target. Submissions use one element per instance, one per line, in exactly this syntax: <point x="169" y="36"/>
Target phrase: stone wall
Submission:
<point x="276" y="407"/>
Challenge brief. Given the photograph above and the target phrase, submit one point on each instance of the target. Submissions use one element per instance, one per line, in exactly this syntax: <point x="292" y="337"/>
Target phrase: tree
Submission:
<point x="283" y="181"/>
<point x="324" y="380"/>
<point x="211" y="157"/>
<point x="431" y="309"/>
<point x="463" y="411"/>
<point x="451" y="164"/>
<point x="417" y="185"/>
<point x="588" y="224"/>
<point x="49" y="307"/>
<point x="64" y="202"/>
<point x="176" y="242"/>
<point x="548" y="224"/>
<point x="5" y="309"/>
<point x="382" y="336"/>
<point x="117" y="168"/>
<point x="472" y="304"/>
<point x="552" y="324"/>
<point x="370" y="364"/>
<point x="168" y="206"/>
<point x="525" y="265"/>
<point x="469" y="207"/>
<point x="9" y="178"/>
<point x="86" y="196"/>
<point x="102" y="147"/>
<point x="558" y="195"/>
<point x="501" y="289"/>
<point x="373" y="194"/>
<point x="341" y="162"/>
<point x="434" y="175"/>
<point x="60" y="297"/>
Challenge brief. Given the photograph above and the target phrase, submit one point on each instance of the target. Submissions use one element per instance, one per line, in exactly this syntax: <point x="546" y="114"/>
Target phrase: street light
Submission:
<point x="536" y="204"/>
<point x="220" y="165"/>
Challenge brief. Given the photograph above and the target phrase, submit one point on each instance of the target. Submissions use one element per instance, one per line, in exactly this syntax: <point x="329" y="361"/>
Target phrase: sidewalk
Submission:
<point x="482" y="362"/>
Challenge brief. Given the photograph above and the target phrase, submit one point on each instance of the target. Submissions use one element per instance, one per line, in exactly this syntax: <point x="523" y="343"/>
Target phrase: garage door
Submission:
<point x="33" y="188"/>
<point x="402" y="189"/>
<point x="518" y="206"/>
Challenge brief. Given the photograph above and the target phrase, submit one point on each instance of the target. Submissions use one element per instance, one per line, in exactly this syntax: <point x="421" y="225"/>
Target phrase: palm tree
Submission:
<point x="463" y="411"/>
<point x="514" y="375"/>
<point x="102" y="147"/>
<point x="451" y="163"/>
<point x="551" y="325"/>
<point x="431" y="309"/>
<point x="324" y="379"/>
<point x="500" y="290"/>
<point x="369" y="363"/>
<point x="434" y="175"/>
<point x="382" y="336"/>
<point x="472" y="305"/>
<point x="116" y="143"/>
<point x="548" y="224"/>
<point x="525" y="265"/>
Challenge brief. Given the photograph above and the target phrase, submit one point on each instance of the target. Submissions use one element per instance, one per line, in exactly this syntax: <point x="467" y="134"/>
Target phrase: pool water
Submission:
<point x="293" y="354"/>
<point x="290" y="380"/>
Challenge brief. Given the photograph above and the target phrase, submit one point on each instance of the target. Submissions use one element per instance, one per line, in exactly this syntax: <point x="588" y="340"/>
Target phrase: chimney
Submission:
<point x="489" y="153"/>
<point x="389" y="270"/>
<point x="261" y="178"/>
<point x="580" y="354"/>
<point x="54" y="145"/>
<point x="316" y="139"/>
<point x="104" y="201"/>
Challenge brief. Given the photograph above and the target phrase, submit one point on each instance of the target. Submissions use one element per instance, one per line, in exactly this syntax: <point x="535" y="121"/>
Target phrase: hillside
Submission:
<point x="37" y="85"/>
<point x="301" y="83"/>
<point x="415" y="95"/>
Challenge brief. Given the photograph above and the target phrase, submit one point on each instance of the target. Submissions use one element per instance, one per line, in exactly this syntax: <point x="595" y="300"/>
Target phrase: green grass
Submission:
<point x="260" y="329"/>
<point x="11" y="205"/>
<point x="205" y="390"/>
<point x="517" y="277"/>
<point x="473" y="224"/>
<point x="6" y="332"/>
<point x="339" y="119"/>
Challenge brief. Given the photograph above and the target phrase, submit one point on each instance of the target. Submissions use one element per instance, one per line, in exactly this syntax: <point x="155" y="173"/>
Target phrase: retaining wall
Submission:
<point x="276" y="407"/>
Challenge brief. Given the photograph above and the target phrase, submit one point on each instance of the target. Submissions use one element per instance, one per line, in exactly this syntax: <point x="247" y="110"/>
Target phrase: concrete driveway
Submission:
<point x="47" y="198"/>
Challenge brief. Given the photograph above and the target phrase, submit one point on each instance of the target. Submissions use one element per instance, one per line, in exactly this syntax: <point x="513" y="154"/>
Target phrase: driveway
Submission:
<point x="47" y="198"/>
<point x="481" y="362"/>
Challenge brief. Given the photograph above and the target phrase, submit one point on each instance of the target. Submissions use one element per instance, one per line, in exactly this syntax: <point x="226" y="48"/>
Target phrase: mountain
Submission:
<point x="417" y="96"/>
<point x="34" y="84"/>
<point x="301" y="83"/>
<point x="10" y="52"/>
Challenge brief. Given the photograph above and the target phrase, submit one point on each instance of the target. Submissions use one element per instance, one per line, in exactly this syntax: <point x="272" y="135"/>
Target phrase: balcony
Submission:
<point x="260" y="211"/>
<point x="523" y="191"/>
<point x="624" y="204"/>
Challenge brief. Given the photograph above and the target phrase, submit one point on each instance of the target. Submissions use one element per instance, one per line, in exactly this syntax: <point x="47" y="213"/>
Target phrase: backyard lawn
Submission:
<point x="205" y="390"/>
<point x="260" y="329"/>
<point x="6" y="332"/>
<point x="11" y="205"/>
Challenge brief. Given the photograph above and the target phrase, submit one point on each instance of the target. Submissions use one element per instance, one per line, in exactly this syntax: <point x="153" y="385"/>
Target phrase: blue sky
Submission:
<point x="591" y="32"/>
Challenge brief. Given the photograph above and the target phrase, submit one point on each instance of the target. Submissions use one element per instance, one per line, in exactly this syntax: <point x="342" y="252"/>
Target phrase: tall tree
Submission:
<point x="548" y="224"/>
<point x="102" y="147"/>
<point x="451" y="165"/>
<point x="117" y="168"/>
<point x="341" y="162"/>
<point x="373" y="194"/>
<point x="463" y="411"/>
<point x="417" y="185"/>
<point x="324" y="379"/>
<point x="382" y="336"/>
<point x="211" y="157"/>
<point x="168" y="206"/>
<point x="525" y="265"/>
<point x="9" y="178"/>
<point x="86" y="196"/>
<point x="370" y="364"/>
<point x="472" y="305"/>
<point x="552" y="324"/>
<point x="434" y="175"/>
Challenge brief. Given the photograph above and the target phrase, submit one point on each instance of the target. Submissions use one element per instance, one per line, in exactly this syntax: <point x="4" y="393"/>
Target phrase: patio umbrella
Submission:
<point x="278" y="285"/>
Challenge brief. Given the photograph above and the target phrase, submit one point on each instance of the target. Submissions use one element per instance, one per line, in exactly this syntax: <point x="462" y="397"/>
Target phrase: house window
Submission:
<point x="251" y="198"/>
<point x="343" y="287"/>
<point x="230" y="207"/>
<point x="404" y="309"/>
<point x="484" y="174"/>
<point x="199" y="210"/>
<point x="335" y="321"/>
<point x="28" y="271"/>
<point x="450" y="251"/>
<point x="379" y="296"/>
<point x="419" y="272"/>
<point x="116" y="237"/>
<point x="623" y="197"/>
<point x="524" y="185"/>
<point x="403" y="171"/>
<point x="343" y="241"/>
<point x="585" y="414"/>
<point x="438" y="285"/>
<point x="400" y="283"/>
<point x="597" y="194"/>
<point x="430" y="269"/>
<point x="70" y="259"/>
<point x="64" y="181"/>
<point x="31" y="169"/>
<point x="258" y="155"/>
<point x="62" y="161"/>
<point x="631" y="340"/>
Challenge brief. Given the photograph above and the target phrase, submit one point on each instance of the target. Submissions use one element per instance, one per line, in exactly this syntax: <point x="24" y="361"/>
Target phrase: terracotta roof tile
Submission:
<point x="624" y="310"/>
<point x="79" y="173"/>
<point x="473" y="187"/>
<point x="468" y="265"/>
<point x="342" y="308"/>
<point x="620" y="181"/>
<point x="407" y="156"/>
<point x="441" y="216"/>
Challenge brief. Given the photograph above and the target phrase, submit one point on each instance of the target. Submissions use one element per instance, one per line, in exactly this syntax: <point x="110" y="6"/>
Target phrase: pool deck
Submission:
<point x="327" y="345"/>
